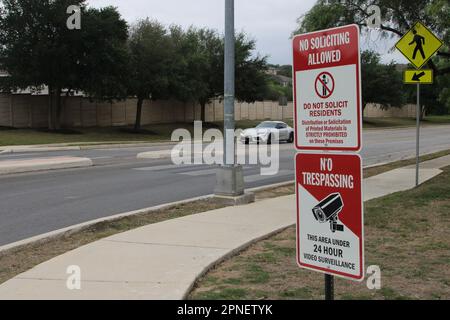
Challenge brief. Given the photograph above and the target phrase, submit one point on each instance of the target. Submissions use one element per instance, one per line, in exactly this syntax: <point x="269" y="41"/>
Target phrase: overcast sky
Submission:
<point x="270" y="22"/>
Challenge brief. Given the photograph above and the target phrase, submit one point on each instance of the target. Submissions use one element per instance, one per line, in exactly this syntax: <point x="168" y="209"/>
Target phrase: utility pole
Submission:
<point x="230" y="179"/>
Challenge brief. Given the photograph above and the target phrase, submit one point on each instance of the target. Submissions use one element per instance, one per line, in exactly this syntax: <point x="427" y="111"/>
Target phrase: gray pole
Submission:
<point x="230" y="178"/>
<point x="418" y="135"/>
<point x="229" y="90"/>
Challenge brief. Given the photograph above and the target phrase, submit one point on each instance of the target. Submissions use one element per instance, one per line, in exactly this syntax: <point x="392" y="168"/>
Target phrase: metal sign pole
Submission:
<point x="418" y="135"/>
<point x="329" y="287"/>
<point x="230" y="178"/>
<point x="229" y="124"/>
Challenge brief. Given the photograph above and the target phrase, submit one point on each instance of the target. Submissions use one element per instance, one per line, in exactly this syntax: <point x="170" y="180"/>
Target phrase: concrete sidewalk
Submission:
<point x="41" y="164"/>
<point x="163" y="261"/>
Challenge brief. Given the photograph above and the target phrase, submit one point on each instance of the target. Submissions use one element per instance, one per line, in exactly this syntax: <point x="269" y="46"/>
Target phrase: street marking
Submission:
<point x="162" y="167"/>
<point x="258" y="177"/>
<point x="200" y="173"/>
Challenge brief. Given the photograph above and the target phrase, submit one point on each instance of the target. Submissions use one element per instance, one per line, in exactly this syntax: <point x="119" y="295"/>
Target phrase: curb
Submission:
<point x="25" y="167"/>
<point x="229" y="255"/>
<point x="85" y="225"/>
<point x="43" y="149"/>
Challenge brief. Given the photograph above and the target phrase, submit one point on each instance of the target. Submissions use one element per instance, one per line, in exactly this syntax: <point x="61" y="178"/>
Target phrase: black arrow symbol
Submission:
<point x="417" y="77"/>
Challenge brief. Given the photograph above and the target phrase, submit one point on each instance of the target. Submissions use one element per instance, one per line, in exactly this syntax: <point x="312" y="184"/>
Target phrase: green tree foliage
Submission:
<point x="102" y="54"/>
<point x="398" y="16"/>
<point x="381" y="84"/>
<point x="277" y="92"/>
<point x="151" y="57"/>
<point x="198" y="74"/>
<point x="285" y="70"/>
<point x="37" y="49"/>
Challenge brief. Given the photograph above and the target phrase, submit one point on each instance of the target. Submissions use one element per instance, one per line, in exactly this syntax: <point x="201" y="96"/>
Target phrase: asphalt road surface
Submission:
<point x="36" y="203"/>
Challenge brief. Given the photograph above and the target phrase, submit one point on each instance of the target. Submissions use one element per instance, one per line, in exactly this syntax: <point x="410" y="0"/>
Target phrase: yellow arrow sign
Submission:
<point x="418" y="76"/>
<point x="418" y="45"/>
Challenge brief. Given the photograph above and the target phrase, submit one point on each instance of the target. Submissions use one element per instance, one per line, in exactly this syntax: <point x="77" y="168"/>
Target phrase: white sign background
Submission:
<point x="306" y="218"/>
<point x="345" y="90"/>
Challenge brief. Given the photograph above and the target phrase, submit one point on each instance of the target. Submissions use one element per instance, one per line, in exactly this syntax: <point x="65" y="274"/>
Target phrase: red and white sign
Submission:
<point x="330" y="233"/>
<point x="327" y="90"/>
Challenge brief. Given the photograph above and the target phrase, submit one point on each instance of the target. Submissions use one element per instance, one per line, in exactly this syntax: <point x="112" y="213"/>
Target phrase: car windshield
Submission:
<point x="267" y="125"/>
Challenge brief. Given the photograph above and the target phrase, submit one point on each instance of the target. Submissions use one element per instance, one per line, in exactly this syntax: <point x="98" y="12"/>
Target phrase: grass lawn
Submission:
<point x="150" y="133"/>
<point x="438" y="119"/>
<point x="373" y="123"/>
<point x="406" y="235"/>
<point x="158" y="132"/>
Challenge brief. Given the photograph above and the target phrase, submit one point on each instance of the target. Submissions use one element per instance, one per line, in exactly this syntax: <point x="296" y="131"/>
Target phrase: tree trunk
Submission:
<point x="137" y="124"/>
<point x="54" y="108"/>
<point x="203" y="112"/>
<point x="58" y="109"/>
<point x="50" y="108"/>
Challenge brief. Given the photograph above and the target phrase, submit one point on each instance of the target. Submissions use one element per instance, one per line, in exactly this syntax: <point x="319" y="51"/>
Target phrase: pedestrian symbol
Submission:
<point x="324" y="85"/>
<point x="418" y="45"/>
<point x="419" y="42"/>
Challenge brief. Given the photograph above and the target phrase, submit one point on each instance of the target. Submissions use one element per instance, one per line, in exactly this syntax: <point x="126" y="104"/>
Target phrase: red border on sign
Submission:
<point x="358" y="90"/>
<point x="360" y="277"/>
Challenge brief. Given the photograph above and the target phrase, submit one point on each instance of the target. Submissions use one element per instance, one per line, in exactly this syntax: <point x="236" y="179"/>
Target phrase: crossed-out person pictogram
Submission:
<point x="324" y="85"/>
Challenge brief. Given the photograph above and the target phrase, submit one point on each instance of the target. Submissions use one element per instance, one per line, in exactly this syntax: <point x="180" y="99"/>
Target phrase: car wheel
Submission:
<point x="291" y="138"/>
<point x="247" y="141"/>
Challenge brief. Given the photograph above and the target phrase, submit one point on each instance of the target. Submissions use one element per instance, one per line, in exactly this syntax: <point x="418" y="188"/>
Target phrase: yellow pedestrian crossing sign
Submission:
<point x="418" y="76"/>
<point x="418" y="45"/>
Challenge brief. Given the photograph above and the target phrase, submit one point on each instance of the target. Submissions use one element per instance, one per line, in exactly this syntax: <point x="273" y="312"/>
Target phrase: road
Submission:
<point x="36" y="203"/>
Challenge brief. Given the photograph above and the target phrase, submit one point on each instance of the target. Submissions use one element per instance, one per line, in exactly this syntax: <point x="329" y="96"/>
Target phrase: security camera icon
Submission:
<point x="328" y="210"/>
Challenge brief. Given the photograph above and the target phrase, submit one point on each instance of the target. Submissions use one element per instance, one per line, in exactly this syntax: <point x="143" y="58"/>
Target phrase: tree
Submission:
<point x="381" y="84"/>
<point x="398" y="17"/>
<point x="434" y="99"/>
<point x="285" y="70"/>
<point x="103" y="54"/>
<point x="277" y="92"/>
<point x="198" y="67"/>
<point x="251" y="81"/>
<point x="198" y="74"/>
<point x="38" y="50"/>
<point x="151" y="57"/>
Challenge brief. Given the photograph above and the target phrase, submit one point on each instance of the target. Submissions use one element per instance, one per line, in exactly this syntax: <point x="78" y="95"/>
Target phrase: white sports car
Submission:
<point x="268" y="132"/>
